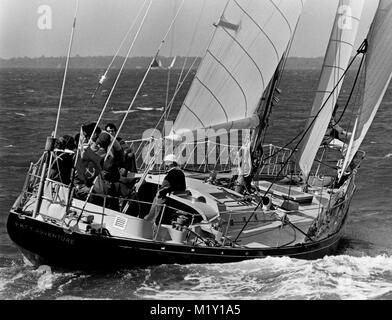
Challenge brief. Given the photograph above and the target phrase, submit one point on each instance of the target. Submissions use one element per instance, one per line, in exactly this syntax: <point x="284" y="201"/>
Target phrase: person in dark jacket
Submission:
<point x="63" y="163"/>
<point x="111" y="129"/>
<point x="109" y="177"/>
<point x="88" y="130"/>
<point x="173" y="182"/>
<point x="110" y="167"/>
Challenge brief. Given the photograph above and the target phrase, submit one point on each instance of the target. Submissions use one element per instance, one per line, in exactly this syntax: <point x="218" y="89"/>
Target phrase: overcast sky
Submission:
<point x="101" y="25"/>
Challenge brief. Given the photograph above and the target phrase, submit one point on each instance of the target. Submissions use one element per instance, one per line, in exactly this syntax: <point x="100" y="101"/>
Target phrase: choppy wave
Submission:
<point x="22" y="281"/>
<point x="335" y="277"/>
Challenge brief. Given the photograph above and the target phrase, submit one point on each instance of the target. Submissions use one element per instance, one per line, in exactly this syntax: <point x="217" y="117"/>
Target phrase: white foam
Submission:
<point x="70" y="297"/>
<point x="335" y="277"/>
<point x="45" y="281"/>
<point x="123" y="111"/>
<point x="5" y="282"/>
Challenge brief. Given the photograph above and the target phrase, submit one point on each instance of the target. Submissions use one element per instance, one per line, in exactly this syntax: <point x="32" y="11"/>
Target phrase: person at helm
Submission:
<point x="174" y="181"/>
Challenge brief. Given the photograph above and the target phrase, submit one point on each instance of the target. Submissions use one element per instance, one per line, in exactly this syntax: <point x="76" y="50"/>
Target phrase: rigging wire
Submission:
<point x="361" y="50"/>
<point x="280" y="76"/>
<point x="168" y="109"/>
<point x="118" y="76"/>
<point x="208" y="45"/>
<point x="169" y="68"/>
<point x="114" y="139"/>
<point x="172" y="100"/>
<point x="352" y="89"/>
<point x="181" y="83"/>
<point x="121" y="70"/>
<point x="104" y="76"/>
<point x="188" y="53"/>
<point x="352" y="119"/>
<point x="146" y="74"/>
<point x="336" y="48"/>
<point x="54" y="133"/>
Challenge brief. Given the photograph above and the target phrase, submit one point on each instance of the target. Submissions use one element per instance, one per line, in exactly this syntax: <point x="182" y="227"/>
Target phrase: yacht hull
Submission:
<point x="44" y="243"/>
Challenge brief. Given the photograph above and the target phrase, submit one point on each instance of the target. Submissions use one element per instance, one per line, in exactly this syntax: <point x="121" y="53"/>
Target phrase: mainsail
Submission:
<point x="336" y="60"/>
<point x="247" y="46"/>
<point x="378" y="73"/>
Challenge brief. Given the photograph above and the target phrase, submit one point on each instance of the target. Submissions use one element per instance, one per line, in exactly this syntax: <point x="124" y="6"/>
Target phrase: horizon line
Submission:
<point x="111" y="56"/>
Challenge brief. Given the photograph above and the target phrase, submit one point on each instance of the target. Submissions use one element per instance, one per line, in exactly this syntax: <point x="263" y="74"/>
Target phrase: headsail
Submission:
<point x="336" y="60"/>
<point x="248" y="44"/>
<point x="378" y="73"/>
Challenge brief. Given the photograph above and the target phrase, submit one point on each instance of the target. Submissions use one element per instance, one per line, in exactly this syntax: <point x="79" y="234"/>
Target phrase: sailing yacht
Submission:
<point x="297" y="201"/>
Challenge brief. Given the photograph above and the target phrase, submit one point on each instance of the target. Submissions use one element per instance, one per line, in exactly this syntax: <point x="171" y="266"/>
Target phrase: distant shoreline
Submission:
<point x="101" y="62"/>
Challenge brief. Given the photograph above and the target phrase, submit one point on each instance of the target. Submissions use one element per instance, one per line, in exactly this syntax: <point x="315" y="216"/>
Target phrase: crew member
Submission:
<point x="64" y="161"/>
<point x="174" y="181"/>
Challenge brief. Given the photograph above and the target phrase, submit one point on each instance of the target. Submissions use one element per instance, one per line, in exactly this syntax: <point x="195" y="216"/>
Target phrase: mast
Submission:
<point x="66" y="69"/>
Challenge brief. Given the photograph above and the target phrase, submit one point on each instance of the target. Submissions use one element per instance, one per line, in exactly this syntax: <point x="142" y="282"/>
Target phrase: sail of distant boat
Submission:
<point x="335" y="64"/>
<point x="378" y="74"/>
<point x="249" y="41"/>
<point x="156" y="64"/>
<point x="172" y="63"/>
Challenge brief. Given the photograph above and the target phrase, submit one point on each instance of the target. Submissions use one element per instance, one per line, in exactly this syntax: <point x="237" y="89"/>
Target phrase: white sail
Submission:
<point x="248" y="44"/>
<point x="336" y="60"/>
<point x="172" y="63"/>
<point x="378" y="73"/>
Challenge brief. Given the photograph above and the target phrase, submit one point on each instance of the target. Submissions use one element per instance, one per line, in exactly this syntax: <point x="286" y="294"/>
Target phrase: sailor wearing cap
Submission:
<point x="175" y="178"/>
<point x="174" y="181"/>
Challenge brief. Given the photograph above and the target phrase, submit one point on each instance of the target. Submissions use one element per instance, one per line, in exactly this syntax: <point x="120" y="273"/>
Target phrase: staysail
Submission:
<point x="336" y="60"/>
<point x="378" y="73"/>
<point x="247" y="46"/>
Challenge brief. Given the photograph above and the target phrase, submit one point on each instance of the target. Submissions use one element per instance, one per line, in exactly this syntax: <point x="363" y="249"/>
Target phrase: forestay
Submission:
<point x="336" y="60"/>
<point x="246" y="48"/>
<point x="378" y="73"/>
